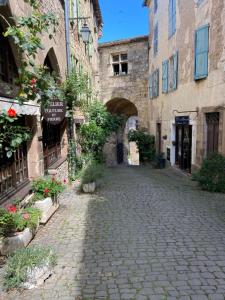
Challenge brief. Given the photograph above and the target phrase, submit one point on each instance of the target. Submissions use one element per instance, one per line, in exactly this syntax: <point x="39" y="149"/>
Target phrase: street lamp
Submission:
<point x="85" y="33"/>
<point x="3" y="2"/>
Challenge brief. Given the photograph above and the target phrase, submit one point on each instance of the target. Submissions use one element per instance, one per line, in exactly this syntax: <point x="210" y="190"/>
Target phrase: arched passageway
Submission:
<point x="118" y="150"/>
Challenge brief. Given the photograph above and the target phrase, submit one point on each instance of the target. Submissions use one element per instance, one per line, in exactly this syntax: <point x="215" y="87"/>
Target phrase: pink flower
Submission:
<point x="33" y="81"/>
<point x="26" y="216"/>
<point x="11" y="208"/>
<point x="46" y="191"/>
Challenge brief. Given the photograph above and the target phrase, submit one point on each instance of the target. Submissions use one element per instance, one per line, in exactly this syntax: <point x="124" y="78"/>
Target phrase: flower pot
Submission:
<point x="161" y="163"/>
<point x="89" y="187"/>
<point x="47" y="208"/>
<point x="36" y="276"/>
<point x="16" y="241"/>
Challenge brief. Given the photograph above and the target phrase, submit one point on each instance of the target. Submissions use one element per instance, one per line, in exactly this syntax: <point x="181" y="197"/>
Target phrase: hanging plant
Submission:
<point x="34" y="81"/>
<point x="11" y="136"/>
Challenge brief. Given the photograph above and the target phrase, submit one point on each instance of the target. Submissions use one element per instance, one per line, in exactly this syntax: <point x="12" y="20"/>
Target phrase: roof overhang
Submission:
<point x="146" y="2"/>
<point x="98" y="13"/>
<point x="24" y="109"/>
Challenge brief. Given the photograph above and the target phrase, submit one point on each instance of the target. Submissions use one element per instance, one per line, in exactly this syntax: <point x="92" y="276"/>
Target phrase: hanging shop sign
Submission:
<point x="55" y="112"/>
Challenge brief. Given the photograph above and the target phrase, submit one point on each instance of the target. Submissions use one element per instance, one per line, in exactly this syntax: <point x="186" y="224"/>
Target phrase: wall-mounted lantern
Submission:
<point x="85" y="33"/>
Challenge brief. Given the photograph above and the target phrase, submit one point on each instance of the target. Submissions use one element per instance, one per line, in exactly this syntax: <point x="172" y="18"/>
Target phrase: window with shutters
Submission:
<point x="172" y="17"/>
<point x="212" y="121"/>
<point x="155" y="5"/>
<point x="173" y="72"/>
<point x="201" y="52"/>
<point x="120" y="64"/>
<point x="156" y="33"/>
<point x="154" y="84"/>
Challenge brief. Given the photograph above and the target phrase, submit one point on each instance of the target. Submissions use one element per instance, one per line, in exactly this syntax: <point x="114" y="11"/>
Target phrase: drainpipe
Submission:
<point x="70" y="120"/>
<point x="67" y="29"/>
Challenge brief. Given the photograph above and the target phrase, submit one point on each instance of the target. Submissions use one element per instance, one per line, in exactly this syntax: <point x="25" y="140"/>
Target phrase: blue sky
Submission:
<point x="123" y="19"/>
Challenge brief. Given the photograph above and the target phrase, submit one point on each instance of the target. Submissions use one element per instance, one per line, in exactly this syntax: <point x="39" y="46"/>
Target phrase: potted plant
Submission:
<point x="29" y="268"/>
<point x="17" y="227"/>
<point x="45" y="198"/>
<point x="89" y="175"/>
<point x="160" y="160"/>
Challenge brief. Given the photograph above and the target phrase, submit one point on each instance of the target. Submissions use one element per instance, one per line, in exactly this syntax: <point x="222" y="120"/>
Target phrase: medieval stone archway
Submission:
<point x="117" y="149"/>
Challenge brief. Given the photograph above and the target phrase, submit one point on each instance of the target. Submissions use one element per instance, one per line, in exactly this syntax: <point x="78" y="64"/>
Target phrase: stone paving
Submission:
<point x="147" y="234"/>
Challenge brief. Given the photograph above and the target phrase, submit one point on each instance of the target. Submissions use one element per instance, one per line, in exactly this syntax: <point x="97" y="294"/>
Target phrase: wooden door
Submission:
<point x="158" y="137"/>
<point x="212" y="120"/>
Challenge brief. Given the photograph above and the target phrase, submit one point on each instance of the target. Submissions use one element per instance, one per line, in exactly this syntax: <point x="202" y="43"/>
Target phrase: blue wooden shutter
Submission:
<point x="201" y="52"/>
<point x="157" y="82"/>
<point x="156" y="39"/>
<point x="174" y="17"/>
<point x="175" y="70"/>
<point x="170" y="18"/>
<point x="165" y="65"/>
<point x="150" y="86"/>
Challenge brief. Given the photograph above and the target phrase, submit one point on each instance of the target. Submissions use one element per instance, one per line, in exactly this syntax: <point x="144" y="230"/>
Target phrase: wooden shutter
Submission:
<point x="212" y="120"/>
<point x="165" y="69"/>
<point x="175" y="70"/>
<point x="150" y="86"/>
<point x="71" y="9"/>
<point x="157" y="82"/>
<point x="201" y="52"/>
<point x="174" y="16"/>
<point x="78" y="17"/>
<point x="170" y="18"/>
<point x="156" y="39"/>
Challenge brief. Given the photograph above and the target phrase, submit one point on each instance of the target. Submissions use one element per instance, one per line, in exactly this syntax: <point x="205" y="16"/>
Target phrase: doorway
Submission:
<point x="120" y="156"/>
<point x="184" y="146"/>
<point x="158" y="137"/>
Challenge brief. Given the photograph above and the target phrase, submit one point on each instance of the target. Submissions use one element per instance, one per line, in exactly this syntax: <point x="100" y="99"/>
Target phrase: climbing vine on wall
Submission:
<point x="34" y="82"/>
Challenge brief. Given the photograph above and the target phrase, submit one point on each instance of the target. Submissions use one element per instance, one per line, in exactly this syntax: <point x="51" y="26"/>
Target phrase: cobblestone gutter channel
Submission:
<point x="147" y="234"/>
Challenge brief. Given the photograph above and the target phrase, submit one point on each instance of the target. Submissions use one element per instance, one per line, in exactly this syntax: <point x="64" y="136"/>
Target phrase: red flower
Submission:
<point x="46" y="191"/>
<point x="64" y="181"/>
<point x="33" y="81"/>
<point x="26" y="216"/>
<point x="12" y="113"/>
<point x="11" y="208"/>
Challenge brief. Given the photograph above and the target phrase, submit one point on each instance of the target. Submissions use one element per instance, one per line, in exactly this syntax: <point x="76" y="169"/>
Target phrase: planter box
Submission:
<point x="37" y="276"/>
<point x="89" y="187"/>
<point x="47" y="207"/>
<point x="19" y="240"/>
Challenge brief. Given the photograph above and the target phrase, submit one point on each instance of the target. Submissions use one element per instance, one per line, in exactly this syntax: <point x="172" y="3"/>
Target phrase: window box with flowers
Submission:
<point x="17" y="227"/>
<point x="46" y="191"/>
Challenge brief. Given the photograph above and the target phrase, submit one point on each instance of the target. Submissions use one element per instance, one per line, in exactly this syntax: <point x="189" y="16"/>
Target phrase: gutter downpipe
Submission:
<point x="67" y="29"/>
<point x="70" y="120"/>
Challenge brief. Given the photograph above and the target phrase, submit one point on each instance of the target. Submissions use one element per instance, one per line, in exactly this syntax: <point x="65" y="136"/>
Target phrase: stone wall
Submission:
<point x="133" y="86"/>
<point x="192" y="98"/>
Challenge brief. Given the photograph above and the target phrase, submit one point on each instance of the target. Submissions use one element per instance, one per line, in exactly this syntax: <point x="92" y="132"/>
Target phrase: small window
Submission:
<point x="116" y="69"/>
<point x="120" y="64"/>
<point x="116" y="58"/>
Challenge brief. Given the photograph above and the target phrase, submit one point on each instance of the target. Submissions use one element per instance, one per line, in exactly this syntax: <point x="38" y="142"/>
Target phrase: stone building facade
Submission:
<point x="123" y="74"/>
<point x="46" y="151"/>
<point x="187" y="79"/>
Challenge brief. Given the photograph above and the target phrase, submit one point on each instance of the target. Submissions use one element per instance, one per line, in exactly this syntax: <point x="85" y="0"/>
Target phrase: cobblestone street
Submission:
<point x="147" y="234"/>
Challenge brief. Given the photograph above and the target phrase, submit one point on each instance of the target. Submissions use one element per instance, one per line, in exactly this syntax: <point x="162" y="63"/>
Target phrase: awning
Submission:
<point x="25" y="109"/>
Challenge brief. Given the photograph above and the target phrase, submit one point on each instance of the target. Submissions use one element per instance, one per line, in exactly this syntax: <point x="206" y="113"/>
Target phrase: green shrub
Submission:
<point x="145" y="144"/>
<point x="46" y="187"/>
<point x="211" y="175"/>
<point x="6" y="222"/>
<point x="91" y="172"/>
<point x="21" y="261"/>
<point x="11" y="222"/>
